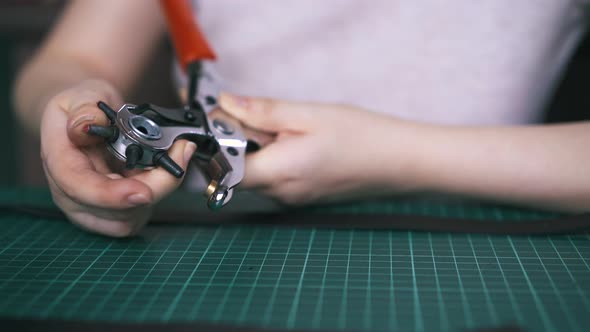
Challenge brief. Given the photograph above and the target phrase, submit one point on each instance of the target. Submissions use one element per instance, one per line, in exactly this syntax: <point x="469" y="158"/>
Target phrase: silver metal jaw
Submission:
<point x="140" y="135"/>
<point x="220" y="141"/>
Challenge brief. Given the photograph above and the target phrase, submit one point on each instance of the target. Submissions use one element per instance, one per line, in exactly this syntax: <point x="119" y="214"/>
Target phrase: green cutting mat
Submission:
<point x="419" y="206"/>
<point x="295" y="278"/>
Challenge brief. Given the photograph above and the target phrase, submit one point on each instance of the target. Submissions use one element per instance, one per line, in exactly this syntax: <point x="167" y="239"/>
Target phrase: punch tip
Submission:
<point x="108" y="111"/>
<point x="105" y="132"/>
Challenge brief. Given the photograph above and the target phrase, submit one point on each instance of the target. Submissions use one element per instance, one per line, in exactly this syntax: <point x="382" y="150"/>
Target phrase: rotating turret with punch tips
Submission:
<point x="141" y="136"/>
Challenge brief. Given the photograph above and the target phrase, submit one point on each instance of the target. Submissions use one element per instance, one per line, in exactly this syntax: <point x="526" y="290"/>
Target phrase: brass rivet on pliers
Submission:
<point x="211" y="188"/>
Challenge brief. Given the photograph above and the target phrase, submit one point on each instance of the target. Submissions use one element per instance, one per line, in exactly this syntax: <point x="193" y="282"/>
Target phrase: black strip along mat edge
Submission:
<point x="11" y="324"/>
<point x="561" y="225"/>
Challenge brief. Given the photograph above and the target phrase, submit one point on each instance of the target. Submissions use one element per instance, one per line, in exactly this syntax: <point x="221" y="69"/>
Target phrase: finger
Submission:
<point x="160" y="181"/>
<point x="81" y="183"/>
<point x="103" y="160"/>
<point x="80" y="104"/>
<point x="74" y="174"/>
<point x="268" y="114"/>
<point x="183" y="94"/>
<point x="109" y="222"/>
<point x="260" y="138"/>
<point x="79" y="121"/>
<point x="262" y="169"/>
<point x="126" y="225"/>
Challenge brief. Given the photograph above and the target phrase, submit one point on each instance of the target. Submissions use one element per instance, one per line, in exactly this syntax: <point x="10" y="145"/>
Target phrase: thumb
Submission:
<point x="268" y="114"/>
<point x="80" y="105"/>
<point x="80" y="119"/>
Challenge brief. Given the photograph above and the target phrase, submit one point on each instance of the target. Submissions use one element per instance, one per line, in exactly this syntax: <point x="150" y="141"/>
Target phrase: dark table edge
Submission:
<point x="543" y="226"/>
<point x="33" y="324"/>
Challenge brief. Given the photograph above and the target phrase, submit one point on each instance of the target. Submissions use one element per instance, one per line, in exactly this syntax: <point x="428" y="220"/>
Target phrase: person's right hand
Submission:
<point x="86" y="182"/>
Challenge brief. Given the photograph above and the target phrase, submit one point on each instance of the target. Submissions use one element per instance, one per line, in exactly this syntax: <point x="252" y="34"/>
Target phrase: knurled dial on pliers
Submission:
<point x="140" y="135"/>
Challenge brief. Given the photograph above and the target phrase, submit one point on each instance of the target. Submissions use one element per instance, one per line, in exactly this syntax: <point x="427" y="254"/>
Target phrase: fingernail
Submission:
<point x="189" y="150"/>
<point x="239" y="101"/>
<point x="82" y="119"/>
<point x="138" y="199"/>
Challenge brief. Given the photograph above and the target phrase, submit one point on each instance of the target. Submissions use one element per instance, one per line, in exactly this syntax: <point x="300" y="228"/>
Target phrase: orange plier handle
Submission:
<point x="189" y="42"/>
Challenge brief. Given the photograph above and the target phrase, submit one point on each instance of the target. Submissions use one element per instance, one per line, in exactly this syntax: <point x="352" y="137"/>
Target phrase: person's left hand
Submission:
<point x="323" y="152"/>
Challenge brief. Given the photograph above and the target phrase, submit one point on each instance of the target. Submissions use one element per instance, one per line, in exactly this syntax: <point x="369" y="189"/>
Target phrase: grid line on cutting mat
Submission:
<point x="174" y="304"/>
<point x="251" y="291"/>
<point x="489" y="303"/>
<point x="296" y="277"/>
<point x="89" y="290"/>
<point x="579" y="290"/>
<point x="444" y="324"/>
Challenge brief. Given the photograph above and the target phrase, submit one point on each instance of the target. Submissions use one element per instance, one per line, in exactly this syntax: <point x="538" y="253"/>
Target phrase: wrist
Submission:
<point x="86" y="92"/>
<point x="406" y="149"/>
<point x="43" y="80"/>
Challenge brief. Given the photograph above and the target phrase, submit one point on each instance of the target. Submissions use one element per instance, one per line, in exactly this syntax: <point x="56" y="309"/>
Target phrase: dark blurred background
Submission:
<point x="23" y="23"/>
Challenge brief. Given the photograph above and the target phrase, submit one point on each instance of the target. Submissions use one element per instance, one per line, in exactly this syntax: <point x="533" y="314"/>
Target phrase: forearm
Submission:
<point x="41" y="80"/>
<point x="539" y="166"/>
<point x="107" y="40"/>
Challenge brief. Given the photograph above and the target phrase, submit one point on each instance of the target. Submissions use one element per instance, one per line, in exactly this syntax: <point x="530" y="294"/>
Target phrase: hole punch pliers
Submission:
<point x="140" y="135"/>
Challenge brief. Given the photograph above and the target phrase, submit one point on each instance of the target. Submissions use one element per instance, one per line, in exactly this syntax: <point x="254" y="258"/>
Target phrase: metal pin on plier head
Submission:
<point x="140" y="135"/>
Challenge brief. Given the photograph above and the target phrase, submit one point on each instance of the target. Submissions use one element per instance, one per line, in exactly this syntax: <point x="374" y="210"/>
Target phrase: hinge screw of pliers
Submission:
<point x="189" y="116"/>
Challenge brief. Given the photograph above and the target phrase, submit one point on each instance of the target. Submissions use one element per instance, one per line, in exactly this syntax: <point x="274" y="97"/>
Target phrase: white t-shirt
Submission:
<point x="455" y="62"/>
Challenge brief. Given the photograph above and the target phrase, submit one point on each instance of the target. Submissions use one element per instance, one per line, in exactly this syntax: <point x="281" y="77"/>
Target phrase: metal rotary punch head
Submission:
<point x="140" y="135"/>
